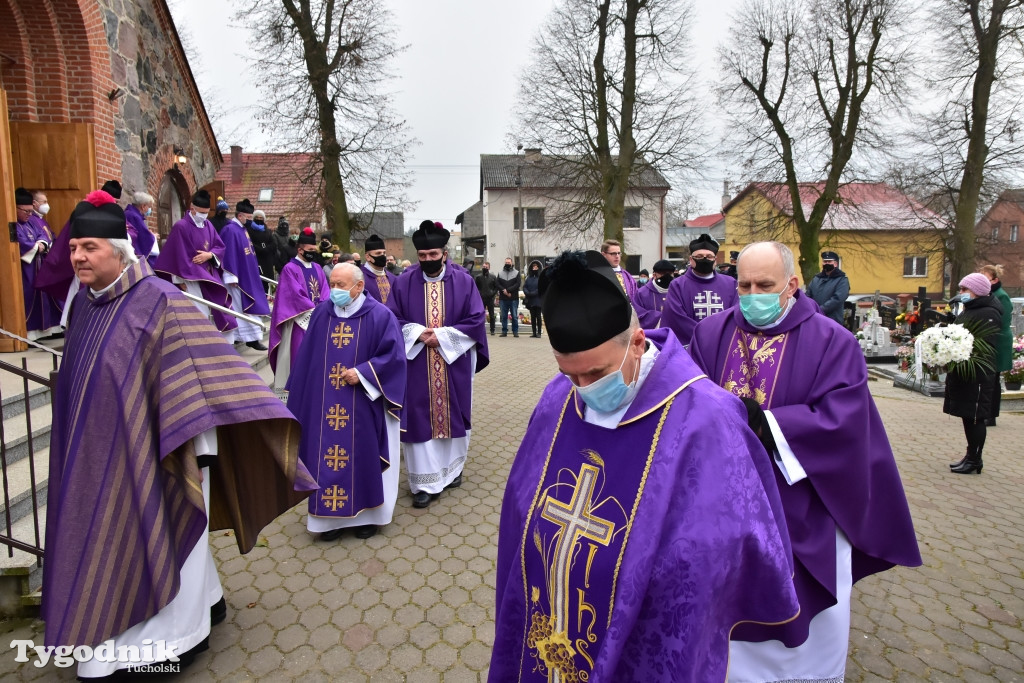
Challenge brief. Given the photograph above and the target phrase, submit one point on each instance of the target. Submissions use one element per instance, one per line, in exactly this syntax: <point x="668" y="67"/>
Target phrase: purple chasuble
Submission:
<point x="691" y="299"/>
<point x="810" y="373"/>
<point x="57" y="273"/>
<point x="344" y="436"/>
<point x="299" y="289"/>
<point x="143" y="374"/>
<point x="183" y="244"/>
<point x="649" y="304"/>
<point x="142" y="239"/>
<point x="440" y="394"/>
<point x="240" y="261"/>
<point x="41" y="311"/>
<point x="629" y="554"/>
<point x="378" y="286"/>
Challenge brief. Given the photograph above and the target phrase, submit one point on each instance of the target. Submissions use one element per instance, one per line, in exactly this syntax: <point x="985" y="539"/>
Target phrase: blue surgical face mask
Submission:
<point x="341" y="297"/>
<point x="761" y="309"/>
<point x="149" y="212"/>
<point x="608" y="393"/>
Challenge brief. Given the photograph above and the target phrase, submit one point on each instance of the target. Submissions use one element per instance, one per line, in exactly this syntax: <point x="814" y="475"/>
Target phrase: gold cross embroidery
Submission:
<point x="336" y="458"/>
<point x="342" y="335"/>
<point x="314" y="289"/>
<point x="337" y="417"/>
<point x="334" y="498"/>
<point x="335" y="376"/>
<point x="385" y="288"/>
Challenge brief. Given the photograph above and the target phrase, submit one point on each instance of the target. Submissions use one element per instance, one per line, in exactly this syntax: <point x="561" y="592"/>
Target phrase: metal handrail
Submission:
<point x="269" y="281"/>
<point x="31" y="343"/>
<point x="217" y="307"/>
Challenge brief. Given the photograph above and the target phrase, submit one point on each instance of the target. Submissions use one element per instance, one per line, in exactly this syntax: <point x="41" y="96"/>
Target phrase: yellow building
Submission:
<point x="886" y="241"/>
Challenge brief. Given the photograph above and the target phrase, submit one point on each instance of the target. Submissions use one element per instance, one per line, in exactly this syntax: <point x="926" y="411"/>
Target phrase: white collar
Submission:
<point x="703" y="277"/>
<point x="304" y="263"/>
<point x="657" y="287"/>
<point x="373" y="270"/>
<point x="352" y="307"/>
<point x="101" y="292"/>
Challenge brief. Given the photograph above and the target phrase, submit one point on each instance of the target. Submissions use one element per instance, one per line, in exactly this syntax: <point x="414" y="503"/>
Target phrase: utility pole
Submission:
<point x="522" y="217"/>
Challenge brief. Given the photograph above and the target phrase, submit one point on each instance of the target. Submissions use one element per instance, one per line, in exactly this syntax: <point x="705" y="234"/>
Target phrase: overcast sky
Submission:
<point x="456" y="87"/>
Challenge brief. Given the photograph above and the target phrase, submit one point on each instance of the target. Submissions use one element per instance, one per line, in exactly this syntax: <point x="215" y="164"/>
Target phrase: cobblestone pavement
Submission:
<point x="415" y="603"/>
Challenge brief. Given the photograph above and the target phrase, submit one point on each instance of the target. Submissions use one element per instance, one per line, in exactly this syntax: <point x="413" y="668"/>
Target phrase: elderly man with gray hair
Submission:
<point x="135" y="215"/>
<point x="159" y="429"/>
<point x="347" y="387"/>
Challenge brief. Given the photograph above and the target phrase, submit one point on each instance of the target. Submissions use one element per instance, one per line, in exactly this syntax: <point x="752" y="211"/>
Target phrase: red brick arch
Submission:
<point x="16" y="63"/>
<point x="49" y="69"/>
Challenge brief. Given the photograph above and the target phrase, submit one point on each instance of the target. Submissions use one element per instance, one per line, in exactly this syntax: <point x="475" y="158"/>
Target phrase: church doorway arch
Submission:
<point x="171" y="201"/>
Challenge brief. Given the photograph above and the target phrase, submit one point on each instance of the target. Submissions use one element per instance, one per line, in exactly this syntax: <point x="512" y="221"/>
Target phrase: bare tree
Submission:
<point x="969" y="147"/>
<point x="324" y="71"/>
<point x="607" y="98"/>
<point x="805" y="83"/>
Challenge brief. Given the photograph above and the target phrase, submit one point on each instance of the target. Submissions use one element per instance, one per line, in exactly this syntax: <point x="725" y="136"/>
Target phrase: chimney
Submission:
<point x="726" y="198"/>
<point x="236" y="164"/>
<point x="532" y="154"/>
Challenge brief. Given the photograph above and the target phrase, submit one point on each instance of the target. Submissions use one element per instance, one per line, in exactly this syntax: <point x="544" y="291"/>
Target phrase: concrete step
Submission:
<point x="19" y="486"/>
<point x="15" y="433"/>
<point x="21" y="573"/>
<point x="14" y="405"/>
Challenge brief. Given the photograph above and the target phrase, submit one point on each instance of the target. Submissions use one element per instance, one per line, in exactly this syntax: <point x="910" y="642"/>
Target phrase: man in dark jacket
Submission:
<point x="487" y="285"/>
<point x="531" y="288"/>
<point x="263" y="244"/>
<point x="830" y="287"/>
<point x="220" y="217"/>
<point x="287" y="248"/>
<point x="509" y="281"/>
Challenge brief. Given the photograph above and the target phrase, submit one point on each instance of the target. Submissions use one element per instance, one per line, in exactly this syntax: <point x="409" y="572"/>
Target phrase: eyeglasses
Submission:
<point x="613" y="253"/>
<point x="703" y="258"/>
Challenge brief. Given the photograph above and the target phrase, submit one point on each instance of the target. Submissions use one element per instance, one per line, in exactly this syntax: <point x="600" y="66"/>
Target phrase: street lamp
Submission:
<point x="522" y="216"/>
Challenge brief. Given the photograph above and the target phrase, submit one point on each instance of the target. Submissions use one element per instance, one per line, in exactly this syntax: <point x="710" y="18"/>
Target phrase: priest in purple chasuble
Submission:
<point x="379" y="280"/>
<point x="612" y="252"/>
<point x="698" y="293"/>
<point x="641" y="522"/>
<point x="346" y="388"/>
<point x="442" y="321"/>
<point x="42" y="315"/>
<point x="301" y="285"/>
<point x="192" y="258"/>
<point x="804" y="381"/>
<point x="161" y="434"/>
<point x="138" y="232"/>
<point x="649" y="302"/>
<point x="241" y="273"/>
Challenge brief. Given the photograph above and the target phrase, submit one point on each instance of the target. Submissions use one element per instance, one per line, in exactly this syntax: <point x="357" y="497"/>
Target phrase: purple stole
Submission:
<point x="751" y="369"/>
<point x="575" y="538"/>
<point x="378" y="286"/>
<point x="437" y="368"/>
<point x="347" y="484"/>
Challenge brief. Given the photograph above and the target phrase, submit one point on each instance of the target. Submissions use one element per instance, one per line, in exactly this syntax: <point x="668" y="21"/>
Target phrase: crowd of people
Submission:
<point x="697" y="492"/>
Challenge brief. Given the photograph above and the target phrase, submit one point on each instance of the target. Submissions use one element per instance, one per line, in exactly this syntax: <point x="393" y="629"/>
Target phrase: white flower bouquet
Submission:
<point x="942" y="346"/>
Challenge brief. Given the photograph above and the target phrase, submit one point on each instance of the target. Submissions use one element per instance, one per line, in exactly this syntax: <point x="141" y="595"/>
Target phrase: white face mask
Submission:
<point x="200" y="218"/>
<point x="43" y="209"/>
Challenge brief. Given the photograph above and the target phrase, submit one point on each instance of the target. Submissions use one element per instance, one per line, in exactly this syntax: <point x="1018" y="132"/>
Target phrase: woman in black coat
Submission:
<point x="531" y="290"/>
<point x="971" y="397"/>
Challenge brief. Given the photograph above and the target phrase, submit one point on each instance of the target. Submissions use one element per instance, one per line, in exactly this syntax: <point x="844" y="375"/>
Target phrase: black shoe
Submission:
<point x="991" y="422"/>
<point x="368" y="531"/>
<point x="218" y="612"/>
<point x="421" y="499"/>
<point x="968" y="466"/>
<point x="515" y="334"/>
<point x="332" y="535"/>
<point x="258" y="345"/>
<point x="456" y="483"/>
<point x="503" y="334"/>
<point x="492" y="333"/>
<point x="959" y="462"/>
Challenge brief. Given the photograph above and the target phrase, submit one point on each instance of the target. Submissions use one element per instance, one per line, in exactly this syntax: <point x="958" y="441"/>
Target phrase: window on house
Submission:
<point x="995" y="234"/>
<point x="631" y="218"/>
<point x="534" y="218"/>
<point x="1013" y="233"/>
<point x="915" y="266"/>
<point x="266" y="194"/>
